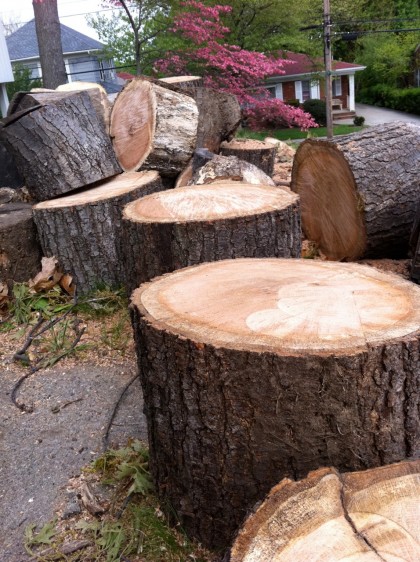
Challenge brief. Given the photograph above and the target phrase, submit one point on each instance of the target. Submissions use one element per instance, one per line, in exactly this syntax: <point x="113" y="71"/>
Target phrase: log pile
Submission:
<point x="364" y="516"/>
<point x="258" y="369"/>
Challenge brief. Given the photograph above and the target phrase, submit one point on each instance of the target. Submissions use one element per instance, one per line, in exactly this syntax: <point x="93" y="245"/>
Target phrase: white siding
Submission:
<point x="6" y="74"/>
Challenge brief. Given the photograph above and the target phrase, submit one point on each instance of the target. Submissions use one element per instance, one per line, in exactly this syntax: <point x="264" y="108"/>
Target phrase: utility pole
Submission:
<point x="328" y="67"/>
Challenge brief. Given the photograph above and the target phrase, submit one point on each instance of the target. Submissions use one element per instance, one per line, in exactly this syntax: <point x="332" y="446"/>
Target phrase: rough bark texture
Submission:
<point x="97" y="94"/>
<point x="48" y="34"/>
<point x="188" y="226"/>
<point x="153" y="128"/>
<point x="82" y="230"/>
<point x="61" y="147"/>
<point x="415" y="248"/>
<point x="328" y="516"/>
<point x="20" y="252"/>
<point x="9" y="173"/>
<point x="232" y="407"/>
<point x="359" y="193"/>
<point x="219" y="117"/>
<point x="261" y="154"/>
<point x="221" y="168"/>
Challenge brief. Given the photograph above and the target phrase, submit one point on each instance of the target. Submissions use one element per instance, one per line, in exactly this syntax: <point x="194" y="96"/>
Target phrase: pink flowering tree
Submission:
<point x="205" y="51"/>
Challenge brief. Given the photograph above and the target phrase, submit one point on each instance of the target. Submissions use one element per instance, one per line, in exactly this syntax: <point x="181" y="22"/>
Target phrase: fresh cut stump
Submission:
<point x="202" y="223"/>
<point x="258" y="369"/>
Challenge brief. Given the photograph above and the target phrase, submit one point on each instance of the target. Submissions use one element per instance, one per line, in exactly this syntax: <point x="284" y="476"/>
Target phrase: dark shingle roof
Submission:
<point x="23" y="43"/>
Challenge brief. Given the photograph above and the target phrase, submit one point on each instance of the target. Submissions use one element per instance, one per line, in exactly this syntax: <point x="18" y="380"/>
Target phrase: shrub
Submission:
<point x="318" y="110"/>
<point x="407" y="100"/>
<point x="359" y="121"/>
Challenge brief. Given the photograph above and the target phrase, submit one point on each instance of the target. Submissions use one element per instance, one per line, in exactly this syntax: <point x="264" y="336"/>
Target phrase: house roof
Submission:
<point x="23" y="43"/>
<point x="298" y="64"/>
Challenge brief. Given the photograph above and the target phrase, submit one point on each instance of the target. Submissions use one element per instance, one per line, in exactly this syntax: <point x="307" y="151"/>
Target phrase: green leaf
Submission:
<point x="44" y="536"/>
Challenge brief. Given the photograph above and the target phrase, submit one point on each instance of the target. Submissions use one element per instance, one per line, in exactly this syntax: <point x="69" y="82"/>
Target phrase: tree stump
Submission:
<point x="153" y="128"/>
<point x="359" y="193"/>
<point x="186" y="226"/>
<point x="361" y="516"/>
<point x="20" y="252"/>
<point x="415" y="247"/>
<point x="219" y="117"/>
<point x="258" y="369"/>
<point x="261" y="154"/>
<point x="82" y="230"/>
<point x="61" y="146"/>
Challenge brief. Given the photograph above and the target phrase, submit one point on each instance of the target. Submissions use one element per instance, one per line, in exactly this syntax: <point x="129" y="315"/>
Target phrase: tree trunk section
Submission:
<point x="153" y="128"/>
<point x="20" y="252"/>
<point x="60" y="147"/>
<point x="48" y="32"/>
<point x="184" y="82"/>
<point x="9" y="173"/>
<point x="219" y="117"/>
<point x="359" y="193"/>
<point x="224" y="168"/>
<point x="258" y="369"/>
<point x="187" y="226"/>
<point x="415" y="248"/>
<point x="368" y="516"/>
<point x="261" y="154"/>
<point x="82" y="230"/>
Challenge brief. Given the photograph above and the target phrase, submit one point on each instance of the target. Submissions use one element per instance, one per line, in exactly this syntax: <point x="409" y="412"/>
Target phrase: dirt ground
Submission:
<point x="70" y="418"/>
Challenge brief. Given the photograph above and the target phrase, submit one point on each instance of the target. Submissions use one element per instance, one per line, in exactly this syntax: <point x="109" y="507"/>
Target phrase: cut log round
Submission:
<point x="184" y="82"/>
<point x="219" y="117"/>
<point x="153" y="128"/>
<point x="415" y="247"/>
<point x="230" y="168"/>
<point x="261" y="154"/>
<point x="98" y="96"/>
<point x="20" y="252"/>
<point x="258" y="369"/>
<point x="61" y="147"/>
<point x="368" y="516"/>
<point x="186" y="226"/>
<point x="359" y="193"/>
<point x="82" y="229"/>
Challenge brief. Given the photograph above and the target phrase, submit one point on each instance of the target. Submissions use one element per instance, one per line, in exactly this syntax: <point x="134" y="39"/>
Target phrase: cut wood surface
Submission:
<point x="359" y="193"/>
<point x="261" y="154"/>
<point x="20" y="252"/>
<point x="368" y="516"/>
<point x="82" y="229"/>
<point x="258" y="369"/>
<point x="184" y="82"/>
<point x="153" y="128"/>
<point x="61" y="146"/>
<point x="219" y="117"/>
<point x="230" y="168"/>
<point x="186" y="226"/>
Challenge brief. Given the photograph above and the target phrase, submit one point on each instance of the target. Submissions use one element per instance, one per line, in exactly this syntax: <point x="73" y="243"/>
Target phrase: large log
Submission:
<point x="20" y="252"/>
<point x="368" y="516"/>
<point x="415" y="247"/>
<point x="258" y="369"/>
<point x="359" y="193"/>
<point x="261" y="154"/>
<point x="225" y="168"/>
<point x="82" y="230"/>
<point x="184" y="82"/>
<point x="153" y="128"/>
<point x="61" y="146"/>
<point x="186" y="226"/>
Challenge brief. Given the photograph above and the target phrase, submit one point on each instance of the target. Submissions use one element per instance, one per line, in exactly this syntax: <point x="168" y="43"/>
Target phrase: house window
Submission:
<point x="306" y="90"/>
<point x="271" y="91"/>
<point x="336" y="87"/>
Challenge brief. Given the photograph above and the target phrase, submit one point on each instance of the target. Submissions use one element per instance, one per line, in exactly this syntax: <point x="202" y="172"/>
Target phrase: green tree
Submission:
<point x="23" y="81"/>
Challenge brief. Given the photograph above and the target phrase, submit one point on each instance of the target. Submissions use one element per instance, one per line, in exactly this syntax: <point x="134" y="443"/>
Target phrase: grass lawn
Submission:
<point x="291" y="134"/>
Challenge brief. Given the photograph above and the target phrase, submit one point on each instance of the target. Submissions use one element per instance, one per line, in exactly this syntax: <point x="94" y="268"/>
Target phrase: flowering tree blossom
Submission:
<point x="228" y="67"/>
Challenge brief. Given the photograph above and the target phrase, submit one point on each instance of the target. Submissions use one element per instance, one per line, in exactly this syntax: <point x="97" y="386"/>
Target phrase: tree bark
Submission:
<point x="258" y="369"/>
<point x="364" y="516"/>
<point x="173" y="229"/>
<point x="359" y="193"/>
<point x="261" y="154"/>
<point x="82" y="230"/>
<point x="60" y="147"/>
<point x="48" y="33"/>
<point x="225" y="168"/>
<point x="20" y="252"/>
<point x="415" y="247"/>
<point x="153" y="128"/>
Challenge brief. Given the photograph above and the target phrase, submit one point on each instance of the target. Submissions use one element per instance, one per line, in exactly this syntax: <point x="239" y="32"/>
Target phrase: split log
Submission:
<point x="82" y="229"/>
<point x="362" y="516"/>
<point x="258" y="369"/>
<point x="20" y="252"/>
<point x="60" y="147"/>
<point x="359" y="193"/>
<point x="219" y="117"/>
<point x="153" y="128"/>
<point x="230" y="168"/>
<point x="186" y="226"/>
<point x="415" y="247"/>
<point x="184" y="82"/>
<point x="261" y="154"/>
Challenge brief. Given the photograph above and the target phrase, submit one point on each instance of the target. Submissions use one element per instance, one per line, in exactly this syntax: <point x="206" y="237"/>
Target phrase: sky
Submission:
<point x="71" y="13"/>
